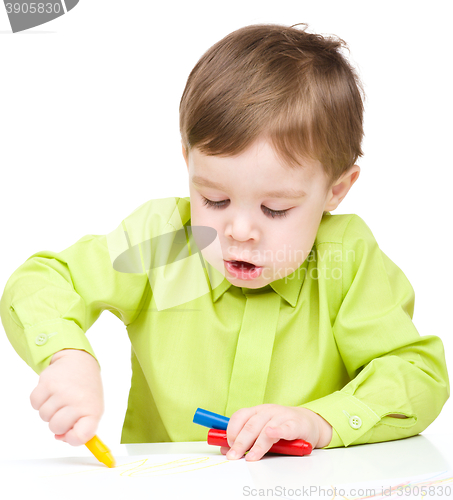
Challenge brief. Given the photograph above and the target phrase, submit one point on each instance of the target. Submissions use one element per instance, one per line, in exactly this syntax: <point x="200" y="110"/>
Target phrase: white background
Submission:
<point x="89" y="131"/>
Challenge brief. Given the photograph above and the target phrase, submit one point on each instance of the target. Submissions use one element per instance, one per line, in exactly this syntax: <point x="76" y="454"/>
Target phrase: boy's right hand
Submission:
<point x="69" y="396"/>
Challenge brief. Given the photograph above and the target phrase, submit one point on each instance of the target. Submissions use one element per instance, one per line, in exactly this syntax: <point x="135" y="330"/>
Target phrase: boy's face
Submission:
<point x="246" y="189"/>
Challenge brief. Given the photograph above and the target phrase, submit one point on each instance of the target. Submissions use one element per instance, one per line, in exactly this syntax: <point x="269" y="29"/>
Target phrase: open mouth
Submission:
<point x="242" y="264"/>
<point x="243" y="270"/>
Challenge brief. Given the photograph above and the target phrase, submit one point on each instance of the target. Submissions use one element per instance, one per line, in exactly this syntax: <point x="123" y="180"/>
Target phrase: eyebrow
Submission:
<point x="289" y="193"/>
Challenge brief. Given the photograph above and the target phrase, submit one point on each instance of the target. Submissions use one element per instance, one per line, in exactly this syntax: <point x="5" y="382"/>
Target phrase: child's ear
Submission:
<point x="184" y="153"/>
<point x="341" y="188"/>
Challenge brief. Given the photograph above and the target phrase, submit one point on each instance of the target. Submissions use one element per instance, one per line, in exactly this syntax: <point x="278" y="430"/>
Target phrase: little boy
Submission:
<point x="247" y="298"/>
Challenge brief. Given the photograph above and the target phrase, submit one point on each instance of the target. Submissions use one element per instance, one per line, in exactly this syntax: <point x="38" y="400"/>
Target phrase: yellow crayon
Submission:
<point x="100" y="451"/>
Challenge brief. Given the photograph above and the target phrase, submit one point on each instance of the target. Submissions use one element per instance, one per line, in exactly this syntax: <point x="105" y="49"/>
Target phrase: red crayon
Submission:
<point x="297" y="447"/>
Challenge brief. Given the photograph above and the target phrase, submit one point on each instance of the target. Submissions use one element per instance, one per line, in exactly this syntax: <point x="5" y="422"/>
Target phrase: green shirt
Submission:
<point x="336" y="336"/>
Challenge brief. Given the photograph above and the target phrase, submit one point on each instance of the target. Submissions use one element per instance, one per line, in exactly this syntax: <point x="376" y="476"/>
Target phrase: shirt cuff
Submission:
<point x="349" y="417"/>
<point x="46" y="338"/>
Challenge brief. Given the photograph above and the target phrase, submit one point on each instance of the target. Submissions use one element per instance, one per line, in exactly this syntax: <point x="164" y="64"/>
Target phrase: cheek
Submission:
<point x="293" y="240"/>
<point x="202" y="216"/>
<point x="197" y="211"/>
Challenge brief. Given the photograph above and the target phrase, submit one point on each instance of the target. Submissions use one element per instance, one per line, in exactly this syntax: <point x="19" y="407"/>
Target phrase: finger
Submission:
<point x="64" y="420"/>
<point x="287" y="430"/>
<point x="224" y="450"/>
<point x="271" y="434"/>
<point x="50" y="407"/>
<point x="237" y="422"/>
<point x="39" y="396"/>
<point x="84" y="429"/>
<point x="262" y="445"/>
<point x="61" y="437"/>
<point x="248" y="434"/>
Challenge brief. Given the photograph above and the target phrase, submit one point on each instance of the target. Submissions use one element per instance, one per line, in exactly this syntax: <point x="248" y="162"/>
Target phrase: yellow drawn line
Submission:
<point x="152" y="470"/>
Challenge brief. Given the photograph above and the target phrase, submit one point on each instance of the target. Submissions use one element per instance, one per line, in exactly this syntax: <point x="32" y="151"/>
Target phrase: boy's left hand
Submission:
<point x="259" y="427"/>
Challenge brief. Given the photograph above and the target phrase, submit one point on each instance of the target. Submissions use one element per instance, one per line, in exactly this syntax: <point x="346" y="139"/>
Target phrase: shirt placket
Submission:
<point x="254" y="349"/>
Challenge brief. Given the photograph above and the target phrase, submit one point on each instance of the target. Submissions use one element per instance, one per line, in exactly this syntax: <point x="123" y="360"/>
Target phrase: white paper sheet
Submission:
<point x="204" y="476"/>
<point x="149" y="476"/>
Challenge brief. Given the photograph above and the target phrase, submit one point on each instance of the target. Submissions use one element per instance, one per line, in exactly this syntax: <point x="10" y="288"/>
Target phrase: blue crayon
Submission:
<point x="210" y="419"/>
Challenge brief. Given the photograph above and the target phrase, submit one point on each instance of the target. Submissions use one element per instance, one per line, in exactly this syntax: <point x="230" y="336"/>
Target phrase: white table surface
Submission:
<point x="418" y="455"/>
<point x="405" y="457"/>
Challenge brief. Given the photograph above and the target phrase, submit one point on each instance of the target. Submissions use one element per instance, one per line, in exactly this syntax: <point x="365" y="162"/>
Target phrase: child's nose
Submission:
<point x="242" y="228"/>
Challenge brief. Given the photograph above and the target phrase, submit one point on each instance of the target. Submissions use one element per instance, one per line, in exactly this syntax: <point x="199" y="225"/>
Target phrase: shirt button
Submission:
<point x="355" y="422"/>
<point x="41" y="339"/>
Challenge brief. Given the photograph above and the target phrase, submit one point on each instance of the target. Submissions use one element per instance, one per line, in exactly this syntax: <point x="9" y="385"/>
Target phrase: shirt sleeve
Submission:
<point x="393" y="370"/>
<point x="52" y="299"/>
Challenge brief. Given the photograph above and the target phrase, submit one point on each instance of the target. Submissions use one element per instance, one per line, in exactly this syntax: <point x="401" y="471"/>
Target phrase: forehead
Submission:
<point x="259" y="160"/>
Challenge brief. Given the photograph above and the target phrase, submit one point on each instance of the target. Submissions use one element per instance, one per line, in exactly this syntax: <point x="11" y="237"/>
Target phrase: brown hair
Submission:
<point x="293" y="87"/>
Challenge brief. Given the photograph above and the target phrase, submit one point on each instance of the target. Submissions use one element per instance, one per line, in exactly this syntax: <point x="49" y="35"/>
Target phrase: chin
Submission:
<point x="246" y="283"/>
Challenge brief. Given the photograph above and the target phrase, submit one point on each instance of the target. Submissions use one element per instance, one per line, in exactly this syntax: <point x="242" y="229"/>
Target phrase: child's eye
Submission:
<point x="276" y="213"/>
<point x="220" y="204"/>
